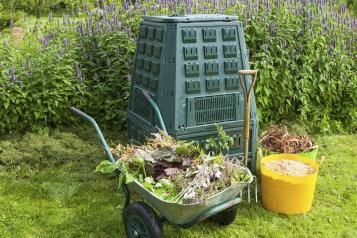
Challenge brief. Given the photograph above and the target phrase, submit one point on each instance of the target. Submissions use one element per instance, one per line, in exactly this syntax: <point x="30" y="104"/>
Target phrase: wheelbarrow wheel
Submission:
<point x="141" y="221"/>
<point x="225" y="217"/>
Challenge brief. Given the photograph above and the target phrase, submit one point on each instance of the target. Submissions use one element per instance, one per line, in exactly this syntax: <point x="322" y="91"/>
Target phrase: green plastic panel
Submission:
<point x="212" y="109"/>
<point x="190" y="53"/>
<point x="157" y="51"/>
<point x="141" y="105"/>
<point x="230" y="51"/>
<point x="232" y="82"/>
<point x="210" y="52"/>
<point x="190" y="18"/>
<point x="159" y="35"/>
<point x="229" y="34"/>
<point x="138" y="78"/>
<point x="149" y="50"/>
<point x="192" y="70"/>
<point x="147" y="65"/>
<point x="152" y="33"/>
<point x="156" y="68"/>
<point x="231" y="67"/>
<point x="193" y="86"/>
<point x="141" y="48"/>
<point x="146" y="81"/>
<point x="153" y="84"/>
<point x="211" y="68"/>
<point x="209" y="35"/>
<point x="189" y="36"/>
<point x="143" y="32"/>
<point x="212" y="84"/>
<point x="140" y="63"/>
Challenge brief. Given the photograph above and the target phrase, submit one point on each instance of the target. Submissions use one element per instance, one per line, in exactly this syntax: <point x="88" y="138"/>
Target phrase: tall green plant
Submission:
<point x="303" y="50"/>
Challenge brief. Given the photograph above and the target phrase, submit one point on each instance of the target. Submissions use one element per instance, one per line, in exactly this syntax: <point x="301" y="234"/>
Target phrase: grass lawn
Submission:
<point x="48" y="189"/>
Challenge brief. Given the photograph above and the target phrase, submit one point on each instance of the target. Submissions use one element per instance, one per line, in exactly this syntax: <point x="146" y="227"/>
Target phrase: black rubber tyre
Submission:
<point x="141" y="221"/>
<point x="225" y="217"/>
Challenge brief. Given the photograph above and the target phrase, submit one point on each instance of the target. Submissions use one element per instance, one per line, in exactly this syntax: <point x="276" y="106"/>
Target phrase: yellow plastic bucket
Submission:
<point x="287" y="194"/>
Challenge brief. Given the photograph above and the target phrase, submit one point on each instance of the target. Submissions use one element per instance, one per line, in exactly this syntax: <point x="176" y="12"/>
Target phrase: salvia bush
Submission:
<point x="305" y="53"/>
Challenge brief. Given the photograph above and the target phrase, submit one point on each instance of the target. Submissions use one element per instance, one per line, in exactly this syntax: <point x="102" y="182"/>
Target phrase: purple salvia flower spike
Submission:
<point x="12" y="73"/>
<point x="27" y="61"/>
<point x="88" y="25"/>
<point x="50" y="16"/>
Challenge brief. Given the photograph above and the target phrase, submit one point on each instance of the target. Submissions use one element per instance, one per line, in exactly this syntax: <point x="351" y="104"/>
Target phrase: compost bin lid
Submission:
<point x="191" y="18"/>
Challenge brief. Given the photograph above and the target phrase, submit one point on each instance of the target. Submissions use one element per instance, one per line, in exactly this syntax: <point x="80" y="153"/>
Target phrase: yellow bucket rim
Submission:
<point x="267" y="172"/>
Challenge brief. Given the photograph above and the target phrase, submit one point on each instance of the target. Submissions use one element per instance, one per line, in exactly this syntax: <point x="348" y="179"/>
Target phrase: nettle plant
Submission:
<point x="219" y="145"/>
<point x="304" y="51"/>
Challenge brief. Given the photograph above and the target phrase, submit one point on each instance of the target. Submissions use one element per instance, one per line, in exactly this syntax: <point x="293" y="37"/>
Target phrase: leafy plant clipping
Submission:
<point x="221" y="145"/>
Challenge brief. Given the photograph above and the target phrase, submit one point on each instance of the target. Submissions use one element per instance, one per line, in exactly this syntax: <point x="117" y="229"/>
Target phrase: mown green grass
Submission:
<point x="48" y="189"/>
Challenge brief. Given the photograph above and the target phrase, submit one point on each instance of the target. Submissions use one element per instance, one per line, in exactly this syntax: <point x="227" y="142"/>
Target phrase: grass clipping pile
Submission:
<point x="175" y="171"/>
<point x="278" y="139"/>
<point x="290" y="167"/>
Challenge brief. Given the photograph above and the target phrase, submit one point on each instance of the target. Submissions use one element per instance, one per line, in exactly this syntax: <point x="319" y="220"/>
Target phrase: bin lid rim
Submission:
<point x="191" y="18"/>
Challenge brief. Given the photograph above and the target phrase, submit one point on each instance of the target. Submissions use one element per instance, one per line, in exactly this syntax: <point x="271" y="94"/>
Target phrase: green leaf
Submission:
<point x="139" y="161"/>
<point x="149" y="180"/>
<point x="148" y="186"/>
<point x="121" y="180"/>
<point x="6" y="104"/>
<point x="158" y="185"/>
<point x="129" y="178"/>
<point x="105" y="167"/>
<point x="141" y="178"/>
<point x="167" y="184"/>
<point x="37" y="115"/>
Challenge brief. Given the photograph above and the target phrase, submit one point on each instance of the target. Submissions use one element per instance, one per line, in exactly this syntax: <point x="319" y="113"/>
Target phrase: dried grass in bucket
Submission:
<point x="290" y="167"/>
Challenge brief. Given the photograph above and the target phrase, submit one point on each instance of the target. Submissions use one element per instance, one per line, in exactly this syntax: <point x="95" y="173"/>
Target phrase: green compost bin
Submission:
<point x="189" y="67"/>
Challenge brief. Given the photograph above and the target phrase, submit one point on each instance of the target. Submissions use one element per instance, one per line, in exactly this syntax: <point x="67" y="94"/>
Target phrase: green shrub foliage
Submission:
<point x="304" y="51"/>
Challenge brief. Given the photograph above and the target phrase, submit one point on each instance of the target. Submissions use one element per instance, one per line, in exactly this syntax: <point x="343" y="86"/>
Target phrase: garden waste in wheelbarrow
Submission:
<point x="141" y="220"/>
<point x="189" y="214"/>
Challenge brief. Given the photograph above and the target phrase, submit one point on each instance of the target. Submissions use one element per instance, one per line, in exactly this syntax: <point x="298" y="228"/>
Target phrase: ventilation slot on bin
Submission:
<point x="213" y="109"/>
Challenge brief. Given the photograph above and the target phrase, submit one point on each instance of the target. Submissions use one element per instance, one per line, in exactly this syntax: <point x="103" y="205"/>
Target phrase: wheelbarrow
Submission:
<point x="145" y="218"/>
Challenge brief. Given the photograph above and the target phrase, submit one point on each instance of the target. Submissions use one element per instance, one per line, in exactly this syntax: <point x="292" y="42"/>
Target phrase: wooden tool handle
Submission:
<point x="247" y="72"/>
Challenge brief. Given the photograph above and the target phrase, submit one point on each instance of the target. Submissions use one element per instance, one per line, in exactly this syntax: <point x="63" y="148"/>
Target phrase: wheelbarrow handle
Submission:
<point x="98" y="131"/>
<point x="156" y="109"/>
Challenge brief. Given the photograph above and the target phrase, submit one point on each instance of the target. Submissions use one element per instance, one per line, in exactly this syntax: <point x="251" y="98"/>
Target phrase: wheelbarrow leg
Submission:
<point x="255" y="184"/>
<point x="127" y="195"/>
